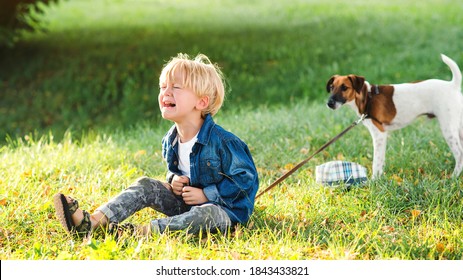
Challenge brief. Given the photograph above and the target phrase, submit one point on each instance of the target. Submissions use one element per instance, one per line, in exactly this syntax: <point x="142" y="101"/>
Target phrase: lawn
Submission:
<point x="79" y="116"/>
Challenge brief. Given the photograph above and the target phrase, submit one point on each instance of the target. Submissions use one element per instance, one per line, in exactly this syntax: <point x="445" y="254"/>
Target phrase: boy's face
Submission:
<point x="176" y="102"/>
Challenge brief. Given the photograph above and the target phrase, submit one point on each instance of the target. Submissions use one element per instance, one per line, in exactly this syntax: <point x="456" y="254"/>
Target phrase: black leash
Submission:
<point x="299" y="165"/>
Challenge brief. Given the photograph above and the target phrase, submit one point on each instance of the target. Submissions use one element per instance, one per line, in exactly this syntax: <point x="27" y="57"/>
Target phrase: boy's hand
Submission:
<point x="193" y="196"/>
<point x="178" y="182"/>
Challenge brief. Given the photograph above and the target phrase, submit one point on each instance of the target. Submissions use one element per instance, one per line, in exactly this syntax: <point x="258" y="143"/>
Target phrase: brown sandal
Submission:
<point x="64" y="211"/>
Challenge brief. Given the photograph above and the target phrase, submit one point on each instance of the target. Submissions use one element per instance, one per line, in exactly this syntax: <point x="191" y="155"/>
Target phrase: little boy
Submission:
<point x="211" y="180"/>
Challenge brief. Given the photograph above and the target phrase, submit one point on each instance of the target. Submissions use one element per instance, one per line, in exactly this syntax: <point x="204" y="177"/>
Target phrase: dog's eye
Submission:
<point x="344" y="88"/>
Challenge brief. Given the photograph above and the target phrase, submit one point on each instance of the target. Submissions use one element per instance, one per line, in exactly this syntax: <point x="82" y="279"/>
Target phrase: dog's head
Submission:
<point x="344" y="89"/>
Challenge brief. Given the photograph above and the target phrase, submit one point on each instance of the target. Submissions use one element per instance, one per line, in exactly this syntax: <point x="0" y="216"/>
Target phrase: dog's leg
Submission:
<point x="379" y="148"/>
<point x="461" y="131"/>
<point x="453" y="135"/>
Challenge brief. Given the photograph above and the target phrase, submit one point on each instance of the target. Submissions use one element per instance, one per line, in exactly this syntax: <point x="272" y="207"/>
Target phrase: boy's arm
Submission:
<point x="240" y="176"/>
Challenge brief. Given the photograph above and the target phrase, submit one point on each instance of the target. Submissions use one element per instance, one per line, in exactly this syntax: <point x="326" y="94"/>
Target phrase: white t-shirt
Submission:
<point x="184" y="151"/>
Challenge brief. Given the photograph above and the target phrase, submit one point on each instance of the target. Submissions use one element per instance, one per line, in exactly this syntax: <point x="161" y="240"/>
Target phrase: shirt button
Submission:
<point x="175" y="163"/>
<point x="208" y="163"/>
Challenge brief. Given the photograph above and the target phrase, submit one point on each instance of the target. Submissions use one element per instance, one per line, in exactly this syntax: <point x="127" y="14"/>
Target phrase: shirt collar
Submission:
<point x="204" y="133"/>
<point x="206" y="130"/>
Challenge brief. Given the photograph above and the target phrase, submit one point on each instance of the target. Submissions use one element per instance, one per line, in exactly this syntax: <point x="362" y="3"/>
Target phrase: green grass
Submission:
<point x="95" y="69"/>
<point x="413" y="212"/>
<point x="79" y="115"/>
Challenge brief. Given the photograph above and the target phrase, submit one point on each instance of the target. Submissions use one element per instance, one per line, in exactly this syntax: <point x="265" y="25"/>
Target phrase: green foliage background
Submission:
<point x="99" y="62"/>
<point x="17" y="16"/>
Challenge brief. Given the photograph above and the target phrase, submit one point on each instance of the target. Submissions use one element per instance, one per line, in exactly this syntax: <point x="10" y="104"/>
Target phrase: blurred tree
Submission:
<point x="19" y="15"/>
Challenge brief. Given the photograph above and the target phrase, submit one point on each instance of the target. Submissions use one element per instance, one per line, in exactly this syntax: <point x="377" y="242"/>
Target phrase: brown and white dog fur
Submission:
<point x="391" y="107"/>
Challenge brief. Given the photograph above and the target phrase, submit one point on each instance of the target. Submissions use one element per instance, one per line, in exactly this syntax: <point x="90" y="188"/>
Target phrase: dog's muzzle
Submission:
<point x="335" y="102"/>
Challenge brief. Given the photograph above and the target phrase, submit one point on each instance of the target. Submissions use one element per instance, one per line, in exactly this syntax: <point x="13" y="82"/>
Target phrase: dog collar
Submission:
<point x="374" y="89"/>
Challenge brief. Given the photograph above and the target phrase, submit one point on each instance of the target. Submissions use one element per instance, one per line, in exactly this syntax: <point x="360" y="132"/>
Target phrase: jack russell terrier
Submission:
<point x="391" y="107"/>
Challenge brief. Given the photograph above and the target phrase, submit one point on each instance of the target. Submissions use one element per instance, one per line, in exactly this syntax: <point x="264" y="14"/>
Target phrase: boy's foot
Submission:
<point x="65" y="207"/>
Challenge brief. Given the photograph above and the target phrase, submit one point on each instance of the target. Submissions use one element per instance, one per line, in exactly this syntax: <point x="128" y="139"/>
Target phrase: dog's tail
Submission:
<point x="456" y="80"/>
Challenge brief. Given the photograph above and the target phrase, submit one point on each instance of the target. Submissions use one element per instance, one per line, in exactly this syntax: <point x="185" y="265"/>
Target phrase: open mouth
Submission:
<point x="168" y="104"/>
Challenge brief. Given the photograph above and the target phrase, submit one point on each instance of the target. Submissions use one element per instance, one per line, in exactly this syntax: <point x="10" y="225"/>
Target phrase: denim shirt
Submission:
<point x="220" y="164"/>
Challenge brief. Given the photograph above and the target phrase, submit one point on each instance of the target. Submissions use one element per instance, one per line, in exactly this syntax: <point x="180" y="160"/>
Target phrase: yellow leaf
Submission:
<point x="388" y="229"/>
<point x="363" y="216"/>
<point x="26" y="174"/>
<point x="397" y="179"/>
<point x="261" y="207"/>
<point x="289" y="166"/>
<point x="140" y="153"/>
<point x="46" y="189"/>
<point x="415" y="213"/>
<point x="440" y="247"/>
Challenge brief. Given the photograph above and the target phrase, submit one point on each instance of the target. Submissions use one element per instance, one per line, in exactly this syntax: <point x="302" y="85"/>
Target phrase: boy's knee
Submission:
<point x="147" y="182"/>
<point x="143" y="181"/>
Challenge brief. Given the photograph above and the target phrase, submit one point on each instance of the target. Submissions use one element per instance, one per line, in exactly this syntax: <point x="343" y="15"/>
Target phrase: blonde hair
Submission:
<point x="201" y="76"/>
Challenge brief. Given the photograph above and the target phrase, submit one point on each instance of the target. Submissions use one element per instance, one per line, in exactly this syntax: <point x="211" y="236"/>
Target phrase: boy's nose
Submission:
<point x="168" y="91"/>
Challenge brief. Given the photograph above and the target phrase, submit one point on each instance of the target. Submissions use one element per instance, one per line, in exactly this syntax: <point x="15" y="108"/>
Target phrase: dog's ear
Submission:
<point x="357" y="82"/>
<point x="330" y="82"/>
<point x="361" y="97"/>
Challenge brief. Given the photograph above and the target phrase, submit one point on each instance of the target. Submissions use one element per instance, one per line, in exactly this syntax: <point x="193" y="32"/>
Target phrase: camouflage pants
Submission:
<point x="147" y="192"/>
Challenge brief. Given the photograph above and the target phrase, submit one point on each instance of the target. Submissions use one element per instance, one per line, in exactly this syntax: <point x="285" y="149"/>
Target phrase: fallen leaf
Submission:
<point x="397" y="179"/>
<point x="440" y="247"/>
<point x="388" y="229"/>
<point x="363" y="216"/>
<point x="415" y="213"/>
<point x="46" y="190"/>
<point x="289" y="166"/>
<point x="140" y="153"/>
<point x="26" y="174"/>
<point x="3" y="202"/>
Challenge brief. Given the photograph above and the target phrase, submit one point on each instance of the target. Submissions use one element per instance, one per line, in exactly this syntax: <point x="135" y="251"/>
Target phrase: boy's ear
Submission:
<point x="202" y="103"/>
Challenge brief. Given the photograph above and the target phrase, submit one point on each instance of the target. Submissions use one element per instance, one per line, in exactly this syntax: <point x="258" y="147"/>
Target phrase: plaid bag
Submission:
<point x="340" y="172"/>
